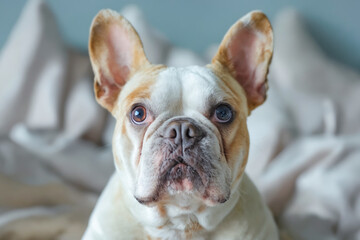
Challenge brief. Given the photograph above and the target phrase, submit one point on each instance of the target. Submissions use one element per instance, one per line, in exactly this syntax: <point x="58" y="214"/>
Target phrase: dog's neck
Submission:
<point x="180" y="217"/>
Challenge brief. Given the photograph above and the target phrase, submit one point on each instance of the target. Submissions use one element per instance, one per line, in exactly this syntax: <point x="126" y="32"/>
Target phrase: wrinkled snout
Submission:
<point x="183" y="156"/>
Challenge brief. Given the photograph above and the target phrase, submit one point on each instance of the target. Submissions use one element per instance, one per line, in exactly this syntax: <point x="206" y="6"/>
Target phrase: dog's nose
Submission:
<point x="183" y="132"/>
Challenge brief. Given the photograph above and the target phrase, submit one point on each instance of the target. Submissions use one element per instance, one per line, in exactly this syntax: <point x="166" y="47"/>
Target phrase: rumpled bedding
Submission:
<point x="55" y="141"/>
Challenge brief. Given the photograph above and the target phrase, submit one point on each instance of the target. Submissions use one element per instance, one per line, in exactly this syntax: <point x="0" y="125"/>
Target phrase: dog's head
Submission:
<point x="180" y="131"/>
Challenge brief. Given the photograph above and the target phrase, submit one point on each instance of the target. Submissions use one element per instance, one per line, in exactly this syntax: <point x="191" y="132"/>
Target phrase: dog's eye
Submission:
<point x="138" y="114"/>
<point x="223" y="113"/>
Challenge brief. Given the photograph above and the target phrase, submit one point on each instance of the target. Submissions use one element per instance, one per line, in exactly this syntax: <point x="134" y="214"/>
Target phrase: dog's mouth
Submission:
<point x="179" y="175"/>
<point x="194" y="173"/>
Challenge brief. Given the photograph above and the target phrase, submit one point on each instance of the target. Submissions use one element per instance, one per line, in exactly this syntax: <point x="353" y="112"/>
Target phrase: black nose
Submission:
<point x="183" y="132"/>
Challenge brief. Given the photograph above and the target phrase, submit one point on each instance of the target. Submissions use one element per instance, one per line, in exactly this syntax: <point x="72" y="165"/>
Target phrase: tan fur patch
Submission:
<point x="148" y="237"/>
<point x="236" y="137"/>
<point x="261" y="23"/>
<point x="162" y="210"/>
<point x="192" y="228"/>
<point x="202" y="208"/>
<point x="144" y="90"/>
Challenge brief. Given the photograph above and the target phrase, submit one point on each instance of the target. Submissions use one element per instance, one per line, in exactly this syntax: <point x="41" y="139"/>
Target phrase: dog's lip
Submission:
<point x="168" y="164"/>
<point x="165" y="179"/>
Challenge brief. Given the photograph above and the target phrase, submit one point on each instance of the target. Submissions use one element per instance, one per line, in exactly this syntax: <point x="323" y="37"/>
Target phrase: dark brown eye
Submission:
<point x="138" y="114"/>
<point x="223" y="113"/>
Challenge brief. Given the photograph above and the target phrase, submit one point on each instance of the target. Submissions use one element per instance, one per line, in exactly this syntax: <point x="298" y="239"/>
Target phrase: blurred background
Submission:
<point x="56" y="141"/>
<point x="333" y="24"/>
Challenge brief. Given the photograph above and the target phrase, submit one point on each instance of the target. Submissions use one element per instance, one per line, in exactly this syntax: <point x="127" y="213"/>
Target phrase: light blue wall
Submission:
<point x="194" y="24"/>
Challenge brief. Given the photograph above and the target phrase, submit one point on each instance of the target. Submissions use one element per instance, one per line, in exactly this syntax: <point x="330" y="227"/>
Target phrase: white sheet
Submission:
<point x="55" y="141"/>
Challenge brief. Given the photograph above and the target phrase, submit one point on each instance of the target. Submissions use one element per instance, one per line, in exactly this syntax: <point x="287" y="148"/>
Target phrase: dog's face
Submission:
<point x="180" y="131"/>
<point x="181" y="128"/>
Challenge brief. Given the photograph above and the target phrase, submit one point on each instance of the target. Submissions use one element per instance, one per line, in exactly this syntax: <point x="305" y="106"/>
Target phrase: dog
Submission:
<point x="181" y="142"/>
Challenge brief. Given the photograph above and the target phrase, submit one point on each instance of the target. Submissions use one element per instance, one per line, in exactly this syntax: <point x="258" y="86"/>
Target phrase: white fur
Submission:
<point x="177" y="92"/>
<point x="184" y="95"/>
<point x="120" y="219"/>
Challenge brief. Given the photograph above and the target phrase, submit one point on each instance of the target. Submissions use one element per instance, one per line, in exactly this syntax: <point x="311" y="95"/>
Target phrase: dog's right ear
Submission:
<point x="116" y="52"/>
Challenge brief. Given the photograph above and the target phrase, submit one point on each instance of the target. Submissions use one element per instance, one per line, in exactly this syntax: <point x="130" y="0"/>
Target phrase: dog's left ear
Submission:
<point x="246" y="52"/>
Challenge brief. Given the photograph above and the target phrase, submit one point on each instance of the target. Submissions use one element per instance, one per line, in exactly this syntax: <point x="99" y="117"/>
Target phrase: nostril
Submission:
<point x="190" y="132"/>
<point x="172" y="133"/>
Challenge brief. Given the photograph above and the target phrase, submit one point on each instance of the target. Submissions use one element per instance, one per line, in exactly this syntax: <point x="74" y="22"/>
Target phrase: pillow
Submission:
<point x="32" y="64"/>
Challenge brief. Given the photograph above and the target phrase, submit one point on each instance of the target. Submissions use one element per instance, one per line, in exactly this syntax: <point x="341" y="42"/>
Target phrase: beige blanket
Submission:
<point x="55" y="141"/>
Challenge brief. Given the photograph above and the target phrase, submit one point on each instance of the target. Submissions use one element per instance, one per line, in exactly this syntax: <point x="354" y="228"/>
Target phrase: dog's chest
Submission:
<point x="181" y="227"/>
<point x="181" y="222"/>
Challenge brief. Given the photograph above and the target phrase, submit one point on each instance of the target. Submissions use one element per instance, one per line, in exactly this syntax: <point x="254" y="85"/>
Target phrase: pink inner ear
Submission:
<point x="120" y="52"/>
<point x="243" y="51"/>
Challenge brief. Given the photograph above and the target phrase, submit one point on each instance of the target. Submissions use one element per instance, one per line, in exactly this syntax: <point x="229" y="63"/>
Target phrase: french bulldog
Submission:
<point x="181" y="142"/>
